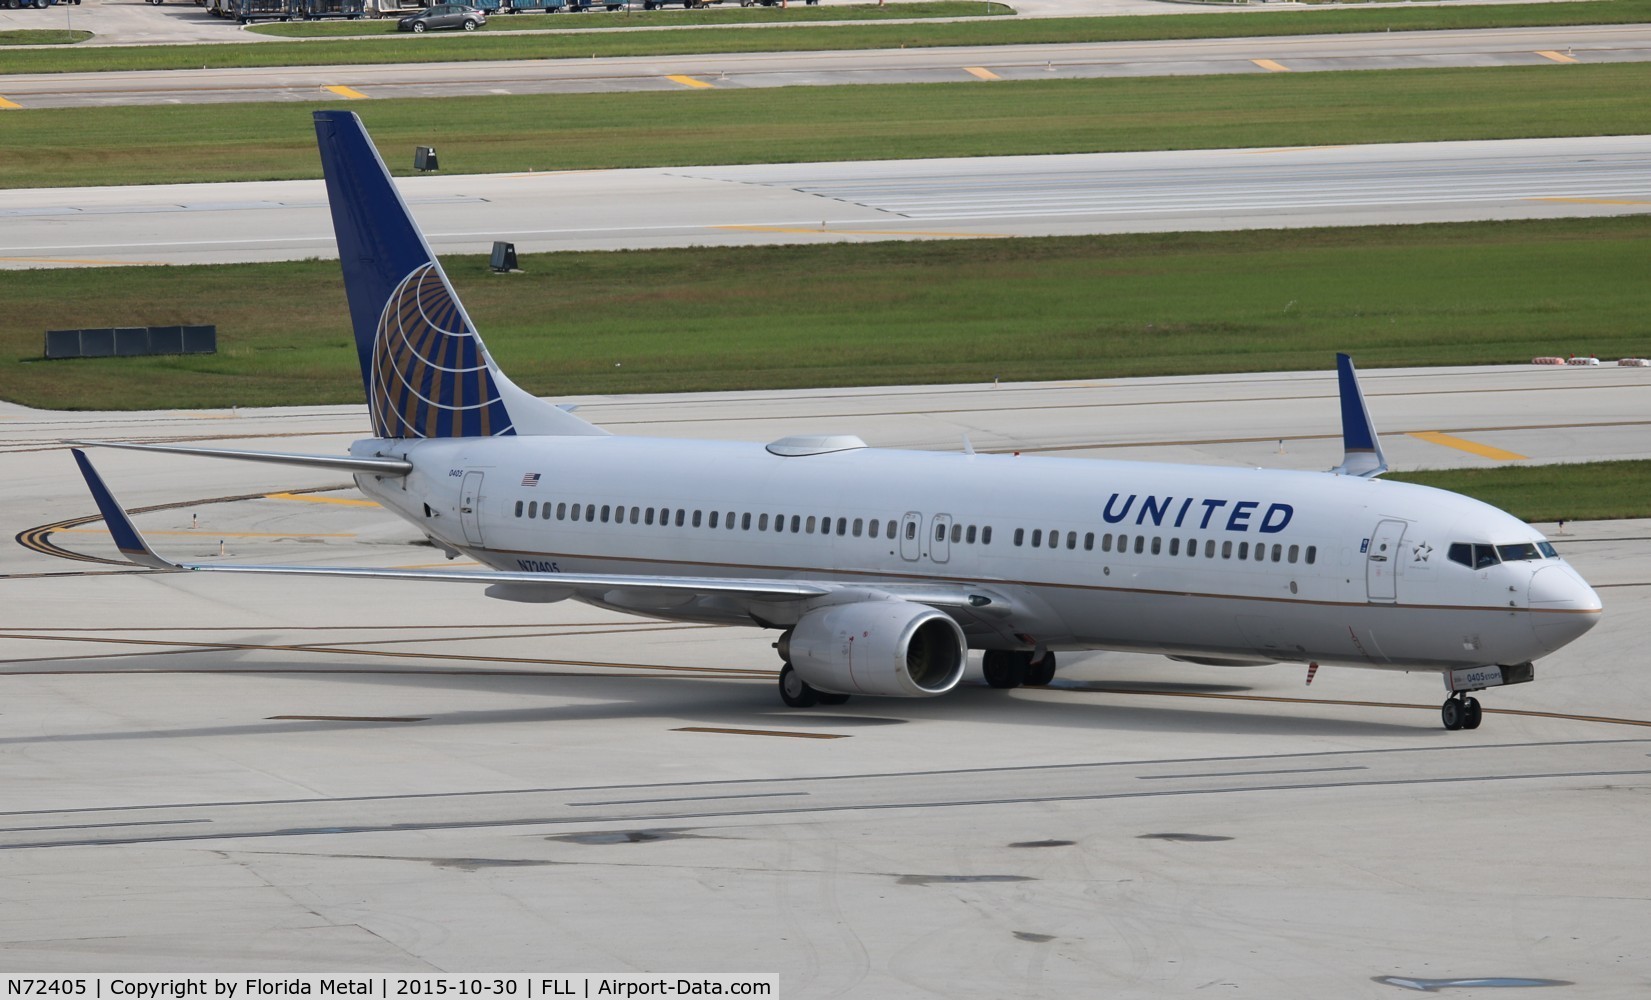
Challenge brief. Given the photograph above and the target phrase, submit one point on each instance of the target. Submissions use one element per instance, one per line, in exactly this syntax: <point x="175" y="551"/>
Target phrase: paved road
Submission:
<point x="204" y="774"/>
<point x="857" y="201"/>
<point x="1311" y="53"/>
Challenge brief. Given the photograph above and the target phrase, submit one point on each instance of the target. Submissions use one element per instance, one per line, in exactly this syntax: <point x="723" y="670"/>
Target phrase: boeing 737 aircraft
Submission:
<point x="881" y="569"/>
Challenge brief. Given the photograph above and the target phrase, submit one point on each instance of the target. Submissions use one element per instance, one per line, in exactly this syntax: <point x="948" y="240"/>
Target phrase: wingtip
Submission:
<point x="121" y="529"/>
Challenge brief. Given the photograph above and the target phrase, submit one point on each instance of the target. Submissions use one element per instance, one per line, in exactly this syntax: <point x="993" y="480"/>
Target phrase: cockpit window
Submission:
<point x="1475" y="556"/>
<point x="1519" y="552"/>
<point x="1548" y="549"/>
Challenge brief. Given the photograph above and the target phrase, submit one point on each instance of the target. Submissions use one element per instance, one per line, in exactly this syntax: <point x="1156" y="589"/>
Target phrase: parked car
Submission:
<point x="443" y="15"/>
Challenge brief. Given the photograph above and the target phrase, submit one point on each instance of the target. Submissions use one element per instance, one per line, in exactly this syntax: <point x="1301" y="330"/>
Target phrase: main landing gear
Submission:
<point x="1461" y="711"/>
<point x="1010" y="668"/>
<point x="796" y="693"/>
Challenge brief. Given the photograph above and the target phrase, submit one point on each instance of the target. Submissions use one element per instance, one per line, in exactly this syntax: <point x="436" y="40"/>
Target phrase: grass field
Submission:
<point x="42" y="36"/>
<point x="883" y="313"/>
<point x="218" y="142"/>
<point x="1590" y="491"/>
<point x="986" y="31"/>
<point x="663" y="18"/>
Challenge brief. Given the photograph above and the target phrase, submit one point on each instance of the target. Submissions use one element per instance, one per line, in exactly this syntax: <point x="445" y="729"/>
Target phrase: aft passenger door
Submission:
<point x="1381" y="561"/>
<point x="470" y="505"/>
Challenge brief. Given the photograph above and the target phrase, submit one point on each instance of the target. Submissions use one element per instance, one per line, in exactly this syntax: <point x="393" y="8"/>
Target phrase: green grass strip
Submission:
<point x="461" y="46"/>
<point x="1586" y="491"/>
<point x="879" y="313"/>
<point x="42" y="36"/>
<point x="217" y="142"/>
<point x="639" y="18"/>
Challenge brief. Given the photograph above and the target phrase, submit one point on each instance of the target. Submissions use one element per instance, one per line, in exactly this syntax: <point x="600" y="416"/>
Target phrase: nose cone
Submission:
<point x="1563" y="606"/>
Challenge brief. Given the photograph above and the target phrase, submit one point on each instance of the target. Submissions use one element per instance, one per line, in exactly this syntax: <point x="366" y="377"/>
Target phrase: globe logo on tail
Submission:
<point x="430" y="373"/>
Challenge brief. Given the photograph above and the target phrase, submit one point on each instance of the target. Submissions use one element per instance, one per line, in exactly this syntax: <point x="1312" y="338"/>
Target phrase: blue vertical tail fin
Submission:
<point x="426" y="371"/>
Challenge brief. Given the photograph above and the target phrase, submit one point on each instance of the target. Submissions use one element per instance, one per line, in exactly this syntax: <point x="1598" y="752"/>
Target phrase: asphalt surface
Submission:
<point x="854" y="201"/>
<point x="216" y="775"/>
<point x="981" y="64"/>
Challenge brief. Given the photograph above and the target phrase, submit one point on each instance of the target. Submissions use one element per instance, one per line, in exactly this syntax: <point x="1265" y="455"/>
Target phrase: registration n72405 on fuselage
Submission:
<point x="881" y="569"/>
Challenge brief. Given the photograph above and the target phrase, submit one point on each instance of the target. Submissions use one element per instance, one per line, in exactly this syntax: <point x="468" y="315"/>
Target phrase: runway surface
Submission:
<point x="854" y="201"/>
<point x="229" y="774"/>
<point x="981" y="64"/>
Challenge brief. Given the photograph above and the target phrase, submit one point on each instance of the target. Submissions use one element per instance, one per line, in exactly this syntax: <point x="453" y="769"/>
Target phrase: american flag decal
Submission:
<point x="531" y="479"/>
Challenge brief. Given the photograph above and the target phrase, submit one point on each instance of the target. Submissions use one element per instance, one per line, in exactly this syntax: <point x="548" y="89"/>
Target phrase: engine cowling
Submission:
<point x="888" y="648"/>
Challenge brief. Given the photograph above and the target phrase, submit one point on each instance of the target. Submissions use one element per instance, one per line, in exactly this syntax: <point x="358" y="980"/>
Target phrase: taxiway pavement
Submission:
<point x="1548" y="46"/>
<point x="852" y="201"/>
<point x="218" y="774"/>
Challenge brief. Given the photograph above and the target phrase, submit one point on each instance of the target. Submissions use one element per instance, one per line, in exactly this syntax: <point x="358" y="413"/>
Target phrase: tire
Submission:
<point x="1451" y="714"/>
<point x="1004" y="669"/>
<point x="794" y="691"/>
<point x="418" y="27"/>
<point x="1041" y="673"/>
<point x="470" y="26"/>
<point x="1473" y="714"/>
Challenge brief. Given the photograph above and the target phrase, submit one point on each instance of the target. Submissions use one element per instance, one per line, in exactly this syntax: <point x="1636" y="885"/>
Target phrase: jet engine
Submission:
<point x="890" y="648"/>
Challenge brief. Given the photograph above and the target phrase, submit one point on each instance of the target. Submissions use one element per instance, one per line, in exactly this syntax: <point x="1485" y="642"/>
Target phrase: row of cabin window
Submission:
<point x="800" y="524"/>
<point x="1280" y="552"/>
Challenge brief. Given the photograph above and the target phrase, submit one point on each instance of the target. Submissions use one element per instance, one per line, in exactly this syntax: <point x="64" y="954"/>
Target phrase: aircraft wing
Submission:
<point x="610" y="587"/>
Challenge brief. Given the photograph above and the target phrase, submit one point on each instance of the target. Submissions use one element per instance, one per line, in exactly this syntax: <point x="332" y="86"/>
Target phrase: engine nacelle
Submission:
<point x="889" y="648"/>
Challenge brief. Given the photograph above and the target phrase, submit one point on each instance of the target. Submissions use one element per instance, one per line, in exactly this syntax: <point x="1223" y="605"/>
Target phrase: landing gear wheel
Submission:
<point x="1472" y="714"/>
<point x="1452" y="712"/>
<point x="1004" y="668"/>
<point x="794" y="691"/>
<point x="1039" y="674"/>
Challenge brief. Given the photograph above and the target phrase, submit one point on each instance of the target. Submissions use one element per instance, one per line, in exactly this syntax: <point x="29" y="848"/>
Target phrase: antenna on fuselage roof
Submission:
<point x="1362" y="450"/>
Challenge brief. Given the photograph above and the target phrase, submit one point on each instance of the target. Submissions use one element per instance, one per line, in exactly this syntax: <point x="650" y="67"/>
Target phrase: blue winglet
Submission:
<point x="1362" y="451"/>
<point x="127" y="539"/>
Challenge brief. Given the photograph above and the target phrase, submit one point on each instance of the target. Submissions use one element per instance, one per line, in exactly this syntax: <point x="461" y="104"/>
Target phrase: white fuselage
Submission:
<point x="1219" y="563"/>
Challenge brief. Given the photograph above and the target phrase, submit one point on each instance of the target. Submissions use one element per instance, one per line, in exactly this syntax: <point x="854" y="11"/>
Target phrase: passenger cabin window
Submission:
<point x="518" y="508"/>
<point x="911" y="530"/>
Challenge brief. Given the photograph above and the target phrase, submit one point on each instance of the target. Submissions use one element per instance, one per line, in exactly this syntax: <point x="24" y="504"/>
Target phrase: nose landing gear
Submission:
<point x="1460" y="711"/>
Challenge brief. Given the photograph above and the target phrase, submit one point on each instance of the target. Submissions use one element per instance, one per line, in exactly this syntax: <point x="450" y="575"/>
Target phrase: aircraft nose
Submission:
<point x="1564" y="605"/>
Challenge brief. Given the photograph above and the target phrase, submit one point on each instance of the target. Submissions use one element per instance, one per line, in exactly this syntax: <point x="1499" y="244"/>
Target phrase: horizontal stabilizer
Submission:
<point x="342" y="463"/>
<point x="1362" y="450"/>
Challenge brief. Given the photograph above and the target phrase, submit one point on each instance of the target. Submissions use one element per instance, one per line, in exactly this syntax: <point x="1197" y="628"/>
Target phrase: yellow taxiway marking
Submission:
<point x="858" y="232"/>
<point x="688" y="81"/>
<point x="205" y="532"/>
<point x="1485" y="450"/>
<point x="9" y="104"/>
<point x="1558" y="57"/>
<point x="1270" y="66"/>
<point x="982" y="72"/>
<point x="350" y="92"/>
<point x="311" y="498"/>
<point x="1594" y="201"/>
<point x="760" y="732"/>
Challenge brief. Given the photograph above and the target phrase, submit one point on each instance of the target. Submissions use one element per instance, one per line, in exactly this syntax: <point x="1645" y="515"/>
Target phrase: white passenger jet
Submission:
<point x="881" y="569"/>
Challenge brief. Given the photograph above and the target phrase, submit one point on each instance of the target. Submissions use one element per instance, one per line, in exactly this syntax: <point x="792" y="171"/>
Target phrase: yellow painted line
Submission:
<point x="312" y="498"/>
<point x="350" y="92"/>
<point x="761" y="732"/>
<point x="9" y="104"/>
<point x="1270" y="66"/>
<point x="1558" y="57"/>
<point x="858" y="232"/>
<point x="982" y="72"/>
<point x="208" y="532"/>
<point x="688" y="81"/>
<point x="1473" y="447"/>
<point x="1594" y="201"/>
